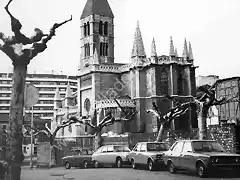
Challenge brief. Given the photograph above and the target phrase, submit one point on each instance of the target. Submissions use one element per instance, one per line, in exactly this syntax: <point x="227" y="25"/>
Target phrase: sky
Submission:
<point x="212" y="27"/>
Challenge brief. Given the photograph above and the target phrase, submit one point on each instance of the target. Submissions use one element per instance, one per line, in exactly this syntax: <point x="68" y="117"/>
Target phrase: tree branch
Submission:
<point x="74" y="119"/>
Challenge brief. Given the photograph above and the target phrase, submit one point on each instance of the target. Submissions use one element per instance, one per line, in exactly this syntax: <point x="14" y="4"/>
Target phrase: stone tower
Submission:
<point x="97" y="33"/>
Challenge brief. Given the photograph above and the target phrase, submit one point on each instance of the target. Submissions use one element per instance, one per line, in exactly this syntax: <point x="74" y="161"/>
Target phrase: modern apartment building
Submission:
<point x="46" y="84"/>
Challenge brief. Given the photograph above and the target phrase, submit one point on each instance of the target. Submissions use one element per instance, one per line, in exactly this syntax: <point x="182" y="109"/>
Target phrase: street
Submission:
<point x="107" y="174"/>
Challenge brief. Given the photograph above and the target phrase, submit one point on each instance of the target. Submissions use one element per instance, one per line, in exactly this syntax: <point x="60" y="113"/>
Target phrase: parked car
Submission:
<point x="148" y="153"/>
<point x="80" y="158"/>
<point x="201" y="156"/>
<point x="116" y="155"/>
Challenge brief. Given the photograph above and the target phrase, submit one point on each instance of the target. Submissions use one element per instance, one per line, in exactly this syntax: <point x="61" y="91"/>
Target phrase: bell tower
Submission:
<point x="97" y="33"/>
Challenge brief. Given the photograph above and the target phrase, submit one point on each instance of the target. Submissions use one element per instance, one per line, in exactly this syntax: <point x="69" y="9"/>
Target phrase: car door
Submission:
<point x="186" y="157"/>
<point x="102" y="155"/>
<point x="142" y="154"/>
<point x="175" y="154"/>
<point x="110" y="157"/>
<point x="135" y="152"/>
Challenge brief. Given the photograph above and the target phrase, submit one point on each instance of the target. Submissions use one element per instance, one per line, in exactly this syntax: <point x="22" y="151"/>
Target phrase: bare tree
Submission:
<point x="207" y="99"/>
<point x="21" y="57"/>
<point x="108" y="120"/>
<point x="177" y="111"/>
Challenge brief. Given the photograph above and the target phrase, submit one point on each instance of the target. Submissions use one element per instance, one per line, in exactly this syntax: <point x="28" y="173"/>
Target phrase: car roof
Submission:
<point x="194" y="140"/>
<point x="150" y="142"/>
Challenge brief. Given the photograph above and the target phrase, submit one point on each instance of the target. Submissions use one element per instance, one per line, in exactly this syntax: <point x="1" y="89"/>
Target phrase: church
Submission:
<point x="136" y="84"/>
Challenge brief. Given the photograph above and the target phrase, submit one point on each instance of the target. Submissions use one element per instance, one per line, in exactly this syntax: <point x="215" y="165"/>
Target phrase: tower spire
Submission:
<point x="153" y="49"/>
<point x="176" y="53"/>
<point x="57" y="99"/>
<point x="171" y="50"/>
<point x="95" y="57"/>
<point x="185" y="50"/>
<point x="138" y="47"/>
<point x="190" y="51"/>
<point x="68" y="95"/>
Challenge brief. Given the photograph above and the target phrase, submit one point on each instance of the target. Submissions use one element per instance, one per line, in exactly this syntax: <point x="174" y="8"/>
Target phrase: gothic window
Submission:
<point x="101" y="28"/>
<point x="86" y="50"/>
<point x="106" y="28"/>
<point x="103" y="49"/>
<point x="87" y="105"/>
<point x="88" y="28"/>
<point x="164" y="82"/>
<point x="85" y="29"/>
<point x="106" y="49"/>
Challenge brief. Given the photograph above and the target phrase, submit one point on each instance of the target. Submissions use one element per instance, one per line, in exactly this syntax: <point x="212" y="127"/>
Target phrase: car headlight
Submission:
<point x="215" y="160"/>
<point x="237" y="160"/>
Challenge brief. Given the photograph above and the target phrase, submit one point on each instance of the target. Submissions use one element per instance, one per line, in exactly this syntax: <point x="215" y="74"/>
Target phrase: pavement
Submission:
<point x="61" y="173"/>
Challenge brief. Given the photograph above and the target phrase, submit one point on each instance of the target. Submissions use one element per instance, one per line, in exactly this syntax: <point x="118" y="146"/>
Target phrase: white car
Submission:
<point x="116" y="155"/>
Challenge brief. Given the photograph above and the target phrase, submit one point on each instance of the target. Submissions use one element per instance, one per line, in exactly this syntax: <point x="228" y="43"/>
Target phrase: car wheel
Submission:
<point x="150" y="165"/>
<point x="201" y="170"/>
<point x="85" y="164"/>
<point x="67" y="165"/>
<point x="119" y="162"/>
<point x="134" y="166"/>
<point x="96" y="164"/>
<point x="171" y="168"/>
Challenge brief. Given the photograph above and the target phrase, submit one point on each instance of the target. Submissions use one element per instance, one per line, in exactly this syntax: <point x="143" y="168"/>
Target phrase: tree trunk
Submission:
<point x="160" y="133"/>
<point x="98" y="139"/>
<point x="202" y="123"/>
<point x="15" y="156"/>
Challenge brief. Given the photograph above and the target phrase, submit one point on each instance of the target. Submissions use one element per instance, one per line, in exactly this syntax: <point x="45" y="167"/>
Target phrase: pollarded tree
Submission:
<point x="206" y="99"/>
<point x="21" y="57"/>
<point x="50" y="133"/>
<point x="177" y="111"/>
<point x="108" y="120"/>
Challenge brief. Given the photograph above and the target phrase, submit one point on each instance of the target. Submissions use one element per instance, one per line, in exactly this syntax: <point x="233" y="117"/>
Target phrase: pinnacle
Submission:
<point x="190" y="51"/>
<point x="57" y="96"/>
<point x="185" y="54"/>
<point x="138" y="47"/>
<point x="171" y="50"/>
<point x="153" y="49"/>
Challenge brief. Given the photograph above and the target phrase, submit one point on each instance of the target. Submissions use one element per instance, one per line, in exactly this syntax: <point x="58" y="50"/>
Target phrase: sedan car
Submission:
<point x="80" y="158"/>
<point x="201" y="156"/>
<point x="116" y="155"/>
<point x="148" y="153"/>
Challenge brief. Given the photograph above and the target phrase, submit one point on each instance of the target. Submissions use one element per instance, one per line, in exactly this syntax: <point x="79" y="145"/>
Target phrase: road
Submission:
<point x="106" y="174"/>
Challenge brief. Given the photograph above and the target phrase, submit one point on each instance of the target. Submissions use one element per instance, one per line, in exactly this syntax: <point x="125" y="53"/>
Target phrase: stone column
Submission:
<point x="171" y="93"/>
<point x="79" y="98"/>
<point x="133" y="84"/>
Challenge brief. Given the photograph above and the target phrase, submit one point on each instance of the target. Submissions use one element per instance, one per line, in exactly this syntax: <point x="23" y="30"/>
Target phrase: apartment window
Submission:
<point x="85" y="29"/>
<point x="88" y="28"/>
<point x="4" y="102"/>
<point x="62" y="83"/>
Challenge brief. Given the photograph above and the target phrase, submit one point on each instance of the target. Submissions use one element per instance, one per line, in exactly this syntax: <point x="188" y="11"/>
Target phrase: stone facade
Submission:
<point x="143" y="79"/>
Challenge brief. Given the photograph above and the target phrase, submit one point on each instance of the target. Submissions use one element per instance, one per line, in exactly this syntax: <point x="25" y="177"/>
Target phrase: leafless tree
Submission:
<point x="21" y="57"/>
<point x="108" y="120"/>
<point x="177" y="111"/>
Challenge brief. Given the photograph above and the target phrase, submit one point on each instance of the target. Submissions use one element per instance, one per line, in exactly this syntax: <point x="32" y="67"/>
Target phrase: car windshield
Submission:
<point x="157" y="147"/>
<point x="207" y="146"/>
<point x="121" y="149"/>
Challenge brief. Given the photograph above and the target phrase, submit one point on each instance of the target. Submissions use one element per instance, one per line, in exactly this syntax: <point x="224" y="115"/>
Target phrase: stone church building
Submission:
<point x="144" y="79"/>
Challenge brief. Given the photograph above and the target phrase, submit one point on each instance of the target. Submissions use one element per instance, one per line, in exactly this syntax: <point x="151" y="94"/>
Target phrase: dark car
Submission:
<point x="148" y="153"/>
<point x="80" y="158"/>
<point x="200" y="156"/>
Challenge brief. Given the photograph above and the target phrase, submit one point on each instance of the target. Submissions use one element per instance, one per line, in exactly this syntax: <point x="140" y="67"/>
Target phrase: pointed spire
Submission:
<point x="171" y="50"/>
<point x="176" y="53"/>
<point x="57" y="96"/>
<point x="95" y="57"/>
<point x="185" y="50"/>
<point x="68" y="91"/>
<point x="138" y="47"/>
<point x="153" y="49"/>
<point x="190" y="51"/>
<point x="57" y="99"/>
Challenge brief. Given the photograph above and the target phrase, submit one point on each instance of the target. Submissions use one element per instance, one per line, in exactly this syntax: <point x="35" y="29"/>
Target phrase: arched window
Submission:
<point x="85" y="29"/>
<point x="101" y="28"/>
<point x="164" y="82"/>
<point x="101" y="48"/>
<point x="88" y="28"/>
<point x="106" y="28"/>
<point x="106" y="49"/>
<point x="87" y="105"/>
